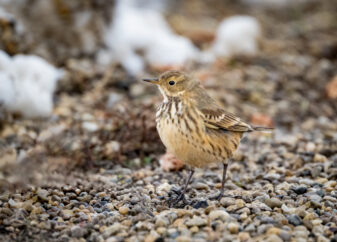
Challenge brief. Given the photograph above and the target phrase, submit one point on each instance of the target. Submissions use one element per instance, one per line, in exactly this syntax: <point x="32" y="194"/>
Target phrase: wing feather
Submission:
<point x="215" y="117"/>
<point x="220" y="119"/>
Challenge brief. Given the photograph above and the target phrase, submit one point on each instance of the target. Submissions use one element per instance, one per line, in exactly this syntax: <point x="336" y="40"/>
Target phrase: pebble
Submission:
<point x="227" y="201"/>
<point x="196" y="221"/>
<point x="13" y="204"/>
<point x="319" y="158"/>
<point x="244" y="236"/>
<point x="285" y="235"/>
<point x="294" y="219"/>
<point x="274" y="230"/>
<point x="273" y="202"/>
<point x="90" y="126"/>
<point x="161" y="221"/>
<point x="123" y="210"/>
<point x="219" y="214"/>
<point x="113" y="229"/>
<point x="164" y="188"/>
<point x="300" y="190"/>
<point x="77" y="231"/>
<point x="183" y="239"/>
<point x="273" y="238"/>
<point x="200" y="186"/>
<point x="233" y="228"/>
<point x="67" y="213"/>
<point x="42" y="194"/>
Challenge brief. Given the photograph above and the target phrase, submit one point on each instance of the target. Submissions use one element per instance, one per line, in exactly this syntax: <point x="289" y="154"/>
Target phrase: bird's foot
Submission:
<point x="179" y="198"/>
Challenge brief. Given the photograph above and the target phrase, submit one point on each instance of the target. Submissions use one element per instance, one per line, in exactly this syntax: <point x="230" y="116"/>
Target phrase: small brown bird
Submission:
<point x="193" y="127"/>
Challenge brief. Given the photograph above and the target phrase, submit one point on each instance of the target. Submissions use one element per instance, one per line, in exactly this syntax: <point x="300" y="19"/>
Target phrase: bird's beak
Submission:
<point x="152" y="80"/>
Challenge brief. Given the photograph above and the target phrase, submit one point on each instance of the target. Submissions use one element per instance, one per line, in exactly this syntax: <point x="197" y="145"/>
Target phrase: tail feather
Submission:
<point x="263" y="129"/>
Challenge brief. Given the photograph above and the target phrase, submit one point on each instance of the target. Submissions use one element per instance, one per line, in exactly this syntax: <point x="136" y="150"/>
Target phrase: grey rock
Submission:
<point x="42" y="194"/>
<point x="294" y="219"/>
<point x="77" y="231"/>
<point x="196" y="221"/>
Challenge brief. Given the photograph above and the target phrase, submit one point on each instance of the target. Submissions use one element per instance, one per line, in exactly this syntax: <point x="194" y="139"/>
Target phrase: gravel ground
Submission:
<point x="91" y="171"/>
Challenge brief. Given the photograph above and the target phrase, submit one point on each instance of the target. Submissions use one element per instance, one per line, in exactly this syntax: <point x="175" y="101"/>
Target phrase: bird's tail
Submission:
<point x="263" y="129"/>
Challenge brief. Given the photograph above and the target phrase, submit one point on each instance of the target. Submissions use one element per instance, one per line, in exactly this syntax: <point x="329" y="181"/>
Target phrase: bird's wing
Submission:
<point x="216" y="117"/>
<point x="220" y="119"/>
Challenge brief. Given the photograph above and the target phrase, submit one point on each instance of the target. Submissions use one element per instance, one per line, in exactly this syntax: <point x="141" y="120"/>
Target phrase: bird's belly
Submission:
<point x="185" y="145"/>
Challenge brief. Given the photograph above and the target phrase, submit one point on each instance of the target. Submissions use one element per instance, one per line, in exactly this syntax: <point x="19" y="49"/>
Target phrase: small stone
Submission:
<point x="161" y="230"/>
<point x="90" y="126"/>
<point x="330" y="185"/>
<point x="310" y="147"/>
<point x="42" y="194"/>
<point x="307" y="181"/>
<point x="250" y="228"/>
<point x="164" y="188"/>
<point x="227" y="201"/>
<point x="287" y="210"/>
<point x="201" y="186"/>
<point x="162" y="221"/>
<point x="12" y="203"/>
<point x="196" y="221"/>
<point x="331" y="88"/>
<point x="316" y="171"/>
<point x="240" y="203"/>
<point x="244" y="236"/>
<point x="233" y="228"/>
<point x="219" y="214"/>
<point x="36" y="210"/>
<point x="300" y="190"/>
<point x="67" y="213"/>
<point x="315" y="200"/>
<point x="183" y="238"/>
<point x="321" y="238"/>
<point x="331" y="199"/>
<point x="272" y="177"/>
<point x="194" y="229"/>
<point x="301" y="232"/>
<point x="152" y="237"/>
<point x="273" y="202"/>
<point x="178" y="222"/>
<point x="200" y="204"/>
<point x="112" y="147"/>
<point x="294" y="219"/>
<point x="273" y="238"/>
<point x="123" y="210"/>
<point x="285" y="235"/>
<point x="319" y="158"/>
<point x="113" y="229"/>
<point x="77" y="231"/>
<point x="274" y="230"/>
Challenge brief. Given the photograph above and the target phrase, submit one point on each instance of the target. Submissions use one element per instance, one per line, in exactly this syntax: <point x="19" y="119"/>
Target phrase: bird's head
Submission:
<point x="173" y="83"/>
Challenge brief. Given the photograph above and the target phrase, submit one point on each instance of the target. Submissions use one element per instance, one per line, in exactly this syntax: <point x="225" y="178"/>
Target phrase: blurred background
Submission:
<point x="70" y="72"/>
<point x="80" y="156"/>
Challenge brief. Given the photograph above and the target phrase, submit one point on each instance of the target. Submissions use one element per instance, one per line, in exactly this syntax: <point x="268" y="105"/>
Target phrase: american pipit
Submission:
<point x="194" y="127"/>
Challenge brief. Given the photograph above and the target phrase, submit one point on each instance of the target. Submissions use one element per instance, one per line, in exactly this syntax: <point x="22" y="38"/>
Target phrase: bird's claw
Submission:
<point x="181" y="197"/>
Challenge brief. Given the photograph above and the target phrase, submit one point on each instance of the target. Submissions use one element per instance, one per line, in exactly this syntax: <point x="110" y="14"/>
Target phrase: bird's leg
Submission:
<point x="182" y="194"/>
<point x="218" y="197"/>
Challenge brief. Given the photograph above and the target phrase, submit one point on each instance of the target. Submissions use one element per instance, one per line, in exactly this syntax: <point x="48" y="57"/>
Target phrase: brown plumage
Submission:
<point x="193" y="127"/>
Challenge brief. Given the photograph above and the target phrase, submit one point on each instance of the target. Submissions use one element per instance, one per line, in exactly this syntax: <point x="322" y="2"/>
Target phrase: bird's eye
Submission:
<point x="171" y="83"/>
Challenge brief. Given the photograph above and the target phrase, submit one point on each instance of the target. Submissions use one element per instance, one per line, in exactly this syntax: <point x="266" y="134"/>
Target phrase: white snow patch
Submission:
<point x="137" y="29"/>
<point x="237" y="35"/>
<point x="27" y="84"/>
<point x="275" y="3"/>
